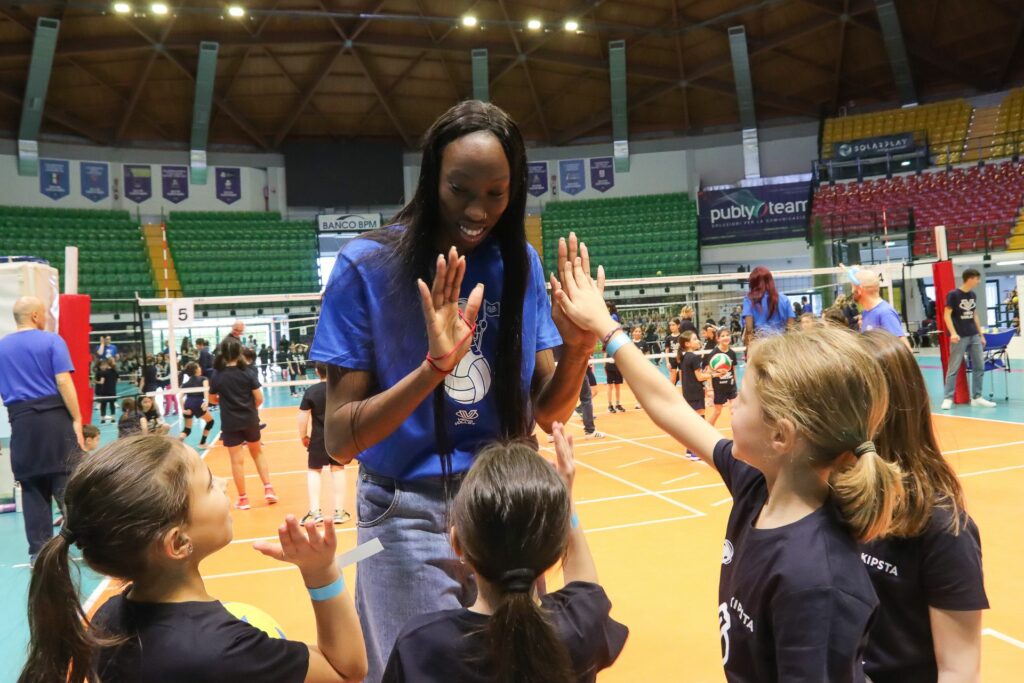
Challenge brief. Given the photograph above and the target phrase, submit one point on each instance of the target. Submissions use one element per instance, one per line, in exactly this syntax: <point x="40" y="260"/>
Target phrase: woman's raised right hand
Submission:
<point x="448" y="335"/>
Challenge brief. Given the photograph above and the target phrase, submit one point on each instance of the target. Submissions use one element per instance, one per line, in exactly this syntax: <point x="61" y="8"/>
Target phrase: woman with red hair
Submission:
<point x="765" y="309"/>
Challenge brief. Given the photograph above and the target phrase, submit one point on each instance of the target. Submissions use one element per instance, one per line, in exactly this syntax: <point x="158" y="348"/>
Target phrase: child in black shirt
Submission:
<point x="240" y="399"/>
<point x="723" y="374"/>
<point x="691" y="366"/>
<point x="512" y="520"/>
<point x="152" y="423"/>
<point x="795" y="600"/>
<point x="311" y="434"/>
<point x="928" y="572"/>
<point x="130" y="422"/>
<point x="673" y="342"/>
<point x="196" y="402"/>
<point x="106" y="389"/>
<point x="147" y="510"/>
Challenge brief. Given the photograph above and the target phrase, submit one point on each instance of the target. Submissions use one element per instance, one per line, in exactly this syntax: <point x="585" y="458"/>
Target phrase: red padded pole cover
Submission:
<point x="945" y="282"/>
<point x="74" y="328"/>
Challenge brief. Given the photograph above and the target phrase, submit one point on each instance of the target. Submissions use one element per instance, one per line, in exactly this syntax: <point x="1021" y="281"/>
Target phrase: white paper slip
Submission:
<point x="359" y="553"/>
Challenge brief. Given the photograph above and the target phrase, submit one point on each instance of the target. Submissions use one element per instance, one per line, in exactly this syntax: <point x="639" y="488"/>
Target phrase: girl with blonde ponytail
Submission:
<point x="928" y="572"/>
<point x="512" y="520"/>
<point x="807" y="483"/>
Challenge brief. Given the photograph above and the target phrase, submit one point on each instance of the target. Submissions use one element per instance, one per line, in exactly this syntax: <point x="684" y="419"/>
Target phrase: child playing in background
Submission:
<point x="197" y="403"/>
<point x="512" y="520"/>
<point x="148" y="511"/>
<point x="721" y="366"/>
<point x="106" y="389"/>
<point x="152" y="423"/>
<point x="311" y="433"/>
<point x="691" y="366"/>
<point x="130" y="422"/>
<point x="91" y="437"/>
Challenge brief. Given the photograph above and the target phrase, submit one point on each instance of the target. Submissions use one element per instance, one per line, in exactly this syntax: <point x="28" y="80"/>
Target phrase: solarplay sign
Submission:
<point x="752" y="214"/>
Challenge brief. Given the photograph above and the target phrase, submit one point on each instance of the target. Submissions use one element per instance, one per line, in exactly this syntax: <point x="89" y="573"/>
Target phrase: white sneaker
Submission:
<point x="947" y="403"/>
<point x="594" y="435"/>
<point x="982" y="402"/>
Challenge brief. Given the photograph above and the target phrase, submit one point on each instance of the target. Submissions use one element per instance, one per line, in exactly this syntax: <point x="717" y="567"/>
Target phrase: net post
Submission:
<point x="172" y="356"/>
<point x="941" y="248"/>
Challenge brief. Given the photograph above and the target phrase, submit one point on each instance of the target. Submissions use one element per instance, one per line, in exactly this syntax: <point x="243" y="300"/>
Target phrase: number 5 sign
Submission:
<point x="183" y="311"/>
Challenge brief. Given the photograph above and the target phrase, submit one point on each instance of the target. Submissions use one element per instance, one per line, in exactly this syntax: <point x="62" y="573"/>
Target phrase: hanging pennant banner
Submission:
<point x="229" y="184"/>
<point x="537" y="178"/>
<point x="138" y="182"/>
<point x="571" y="176"/>
<point x="602" y="174"/>
<point x="95" y="180"/>
<point x="175" y="183"/>
<point x="54" y="178"/>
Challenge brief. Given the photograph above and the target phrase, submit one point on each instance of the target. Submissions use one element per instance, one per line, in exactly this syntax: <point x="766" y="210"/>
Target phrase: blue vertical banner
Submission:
<point x="138" y="182"/>
<point x="572" y="177"/>
<point x="54" y="178"/>
<point x="175" y="183"/>
<point x="229" y="184"/>
<point x="602" y="173"/>
<point x="537" y="178"/>
<point x="95" y="180"/>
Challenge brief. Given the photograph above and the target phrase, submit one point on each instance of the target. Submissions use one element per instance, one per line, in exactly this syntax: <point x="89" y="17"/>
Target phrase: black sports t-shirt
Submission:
<point x="108" y="387"/>
<point x="194" y="382"/>
<point x="315" y="401"/>
<point x="149" y="380"/>
<point x="709" y="345"/>
<point x="152" y="418"/>
<point x="963" y="305"/>
<point x="237" y="405"/>
<point x="693" y="389"/>
<point x="935" y="569"/>
<point x="451" y="646"/>
<point x="795" y="602"/>
<point x="197" y="642"/>
<point x="687" y="324"/>
<point x="672" y="343"/>
<point x="128" y="424"/>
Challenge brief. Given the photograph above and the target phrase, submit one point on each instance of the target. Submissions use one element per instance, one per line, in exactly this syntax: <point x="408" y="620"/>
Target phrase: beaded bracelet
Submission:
<point x="607" y="337"/>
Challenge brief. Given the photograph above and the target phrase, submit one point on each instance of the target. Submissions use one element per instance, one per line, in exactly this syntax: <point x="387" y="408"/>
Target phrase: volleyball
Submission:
<point x="256" y="618"/>
<point x="721" y="362"/>
<point x="470" y="381"/>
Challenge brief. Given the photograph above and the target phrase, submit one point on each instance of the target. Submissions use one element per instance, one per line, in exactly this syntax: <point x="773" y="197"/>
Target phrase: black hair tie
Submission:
<point x="518" y="580"/>
<point x="68" y="535"/>
<point x="866" y="447"/>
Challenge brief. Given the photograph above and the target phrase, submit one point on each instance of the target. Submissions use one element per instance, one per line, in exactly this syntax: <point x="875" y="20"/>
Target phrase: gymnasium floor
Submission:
<point x="655" y="523"/>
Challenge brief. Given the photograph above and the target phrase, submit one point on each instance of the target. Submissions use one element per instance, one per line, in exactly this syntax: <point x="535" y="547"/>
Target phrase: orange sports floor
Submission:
<point x="655" y="523"/>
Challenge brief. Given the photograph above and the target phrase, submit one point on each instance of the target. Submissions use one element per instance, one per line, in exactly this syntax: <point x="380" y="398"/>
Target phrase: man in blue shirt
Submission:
<point x="106" y="348"/>
<point x="876" y="312"/>
<point x="46" y="424"/>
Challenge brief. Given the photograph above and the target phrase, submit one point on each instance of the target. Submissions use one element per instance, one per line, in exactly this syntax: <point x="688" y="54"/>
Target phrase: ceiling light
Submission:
<point x="236" y="11"/>
<point x="469" y="21"/>
<point x="158" y="8"/>
<point x="571" y="25"/>
<point x="122" y="7"/>
<point x="534" y="25"/>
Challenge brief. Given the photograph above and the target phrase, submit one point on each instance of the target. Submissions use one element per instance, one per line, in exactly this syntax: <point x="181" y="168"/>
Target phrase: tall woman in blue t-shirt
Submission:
<point x="414" y="402"/>
<point x="765" y="308"/>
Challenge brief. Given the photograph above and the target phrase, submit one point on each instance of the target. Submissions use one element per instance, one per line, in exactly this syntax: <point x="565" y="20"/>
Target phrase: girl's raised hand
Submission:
<point x="448" y="334"/>
<point x="565" y="462"/>
<point x="573" y="334"/>
<point x="578" y="296"/>
<point x="308" y="549"/>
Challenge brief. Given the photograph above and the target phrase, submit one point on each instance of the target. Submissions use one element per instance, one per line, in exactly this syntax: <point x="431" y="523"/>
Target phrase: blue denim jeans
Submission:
<point x="418" y="571"/>
<point x="970" y="345"/>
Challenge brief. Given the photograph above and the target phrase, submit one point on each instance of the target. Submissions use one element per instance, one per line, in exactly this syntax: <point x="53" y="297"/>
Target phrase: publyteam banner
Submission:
<point x="347" y="222"/>
<point x="753" y="214"/>
<point x="878" y="146"/>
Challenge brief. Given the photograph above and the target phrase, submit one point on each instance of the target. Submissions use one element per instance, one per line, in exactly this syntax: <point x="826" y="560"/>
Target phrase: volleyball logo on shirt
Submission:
<point x="470" y="381"/>
<point x="727" y="552"/>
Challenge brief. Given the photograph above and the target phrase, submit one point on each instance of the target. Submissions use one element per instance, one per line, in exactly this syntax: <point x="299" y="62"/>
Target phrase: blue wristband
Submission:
<point x="575" y="521"/>
<point x="331" y="590"/>
<point x="616" y="343"/>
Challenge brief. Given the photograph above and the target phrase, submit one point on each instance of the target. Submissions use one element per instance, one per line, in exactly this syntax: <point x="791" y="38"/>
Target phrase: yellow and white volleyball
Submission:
<point x="256" y="618"/>
<point x="470" y="381"/>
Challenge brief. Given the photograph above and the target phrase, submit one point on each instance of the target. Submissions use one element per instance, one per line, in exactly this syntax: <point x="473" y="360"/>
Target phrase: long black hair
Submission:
<point x="415" y="252"/>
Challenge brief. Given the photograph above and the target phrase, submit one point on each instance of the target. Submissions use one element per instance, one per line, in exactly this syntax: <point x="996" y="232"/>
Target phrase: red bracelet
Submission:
<point x="433" y="361"/>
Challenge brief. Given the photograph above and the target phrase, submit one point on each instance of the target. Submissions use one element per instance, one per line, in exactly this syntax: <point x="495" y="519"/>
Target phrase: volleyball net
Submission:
<point x="279" y="328"/>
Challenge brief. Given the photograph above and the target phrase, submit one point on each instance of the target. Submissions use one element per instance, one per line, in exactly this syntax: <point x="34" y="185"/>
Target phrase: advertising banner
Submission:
<point x="138" y="182"/>
<point x="537" y="178"/>
<point x="572" y="177"/>
<point x="175" y="183"/>
<point x="229" y="184"/>
<point x="95" y="181"/>
<point x="602" y="174"/>
<point x="54" y="178"/>
<point x="878" y="146"/>
<point x="753" y="214"/>
<point x="347" y="222"/>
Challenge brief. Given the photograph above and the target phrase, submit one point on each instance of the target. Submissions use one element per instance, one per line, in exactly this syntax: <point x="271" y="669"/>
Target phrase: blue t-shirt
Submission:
<point x="109" y="351"/>
<point x="883" y="316"/>
<point x="368" y="324"/>
<point x="777" y="322"/>
<point x="29" y="364"/>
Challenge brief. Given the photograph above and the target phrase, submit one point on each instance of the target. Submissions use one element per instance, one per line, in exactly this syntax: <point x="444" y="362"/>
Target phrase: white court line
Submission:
<point x="998" y="469"/>
<point x="685" y="476"/>
<point x="635" y="462"/>
<point x="601" y="450"/>
<point x="977" y="419"/>
<point x="1002" y="636"/>
<point x="722" y="502"/>
<point x="638" y="487"/>
<point x="635" y="524"/>
<point x="983" y="448"/>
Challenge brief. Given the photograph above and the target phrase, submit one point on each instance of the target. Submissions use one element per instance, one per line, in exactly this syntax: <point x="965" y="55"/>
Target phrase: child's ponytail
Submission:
<point x="523" y="645"/>
<point x="867" y="493"/>
<point x="62" y="646"/>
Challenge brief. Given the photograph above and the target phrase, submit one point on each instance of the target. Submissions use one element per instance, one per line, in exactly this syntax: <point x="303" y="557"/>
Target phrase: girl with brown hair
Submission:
<point x="927" y="573"/>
